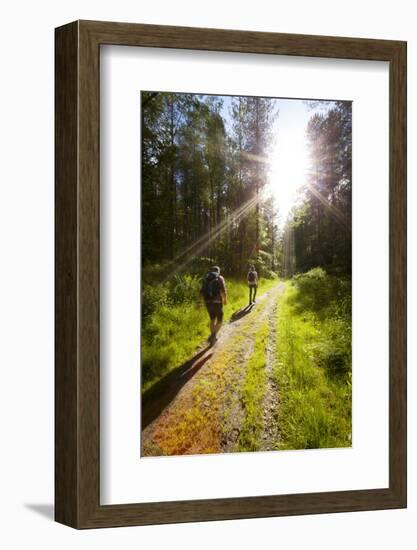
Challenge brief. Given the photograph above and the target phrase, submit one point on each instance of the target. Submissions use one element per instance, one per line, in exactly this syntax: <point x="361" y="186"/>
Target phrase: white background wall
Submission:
<point x="27" y="260"/>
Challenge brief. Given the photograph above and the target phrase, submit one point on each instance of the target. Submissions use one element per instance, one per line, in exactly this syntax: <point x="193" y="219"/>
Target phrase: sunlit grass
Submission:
<point x="313" y="369"/>
<point x="172" y="333"/>
<point x="253" y="392"/>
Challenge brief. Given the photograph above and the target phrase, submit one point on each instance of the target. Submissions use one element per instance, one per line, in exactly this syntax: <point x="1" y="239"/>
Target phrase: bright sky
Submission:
<point x="289" y="157"/>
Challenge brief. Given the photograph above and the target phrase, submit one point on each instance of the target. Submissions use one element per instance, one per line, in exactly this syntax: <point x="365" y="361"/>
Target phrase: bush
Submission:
<point x="153" y="298"/>
<point x="326" y="300"/>
<point x="323" y="294"/>
<point x="334" y="352"/>
<point x="185" y="289"/>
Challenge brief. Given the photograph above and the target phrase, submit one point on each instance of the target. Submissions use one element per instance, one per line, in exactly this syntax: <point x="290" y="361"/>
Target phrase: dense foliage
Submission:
<point x="204" y="170"/>
<point x="203" y="181"/>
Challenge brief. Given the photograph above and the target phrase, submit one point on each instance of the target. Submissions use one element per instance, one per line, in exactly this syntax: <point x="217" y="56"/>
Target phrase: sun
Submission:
<point x="289" y="163"/>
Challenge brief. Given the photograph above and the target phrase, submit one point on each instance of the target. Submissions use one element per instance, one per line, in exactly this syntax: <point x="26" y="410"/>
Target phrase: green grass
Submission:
<point x="253" y="392"/>
<point x="172" y="332"/>
<point x="313" y="369"/>
<point x="238" y="294"/>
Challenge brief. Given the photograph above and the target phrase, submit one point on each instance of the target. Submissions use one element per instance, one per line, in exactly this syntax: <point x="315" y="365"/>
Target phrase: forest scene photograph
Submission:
<point x="246" y="276"/>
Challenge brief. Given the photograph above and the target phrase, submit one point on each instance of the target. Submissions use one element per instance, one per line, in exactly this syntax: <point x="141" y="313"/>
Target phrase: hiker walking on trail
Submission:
<point x="252" y="283"/>
<point x="215" y="295"/>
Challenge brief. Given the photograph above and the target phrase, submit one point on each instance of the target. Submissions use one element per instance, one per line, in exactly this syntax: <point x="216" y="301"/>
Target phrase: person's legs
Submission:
<point x="217" y="328"/>
<point x="212" y="315"/>
<point x="216" y="317"/>
<point x="250" y="294"/>
<point x="219" y="319"/>
<point x="255" y="288"/>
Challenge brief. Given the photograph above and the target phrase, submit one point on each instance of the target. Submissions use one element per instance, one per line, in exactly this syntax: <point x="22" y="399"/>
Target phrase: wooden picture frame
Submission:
<point x="77" y="373"/>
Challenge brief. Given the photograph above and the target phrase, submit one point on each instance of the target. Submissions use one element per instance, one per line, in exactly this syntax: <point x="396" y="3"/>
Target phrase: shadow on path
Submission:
<point x="163" y="392"/>
<point x="241" y="313"/>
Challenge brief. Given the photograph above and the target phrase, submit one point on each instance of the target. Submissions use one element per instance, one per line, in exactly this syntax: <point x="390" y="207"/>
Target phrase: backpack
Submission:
<point x="211" y="286"/>
<point x="252" y="276"/>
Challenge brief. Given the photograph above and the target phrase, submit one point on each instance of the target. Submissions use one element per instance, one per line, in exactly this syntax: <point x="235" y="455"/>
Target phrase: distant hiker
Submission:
<point x="252" y="283"/>
<point x="215" y="295"/>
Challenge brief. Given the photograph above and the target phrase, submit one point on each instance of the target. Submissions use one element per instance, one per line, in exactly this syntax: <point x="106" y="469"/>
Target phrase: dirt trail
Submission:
<point x="270" y="434"/>
<point x="197" y="408"/>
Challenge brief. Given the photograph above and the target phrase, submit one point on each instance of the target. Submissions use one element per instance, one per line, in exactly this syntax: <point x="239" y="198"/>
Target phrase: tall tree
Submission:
<point x="321" y="223"/>
<point x="203" y="172"/>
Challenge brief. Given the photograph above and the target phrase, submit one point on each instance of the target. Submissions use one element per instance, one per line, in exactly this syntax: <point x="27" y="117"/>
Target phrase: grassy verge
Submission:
<point x="253" y="392"/>
<point x="171" y="333"/>
<point x="313" y="369"/>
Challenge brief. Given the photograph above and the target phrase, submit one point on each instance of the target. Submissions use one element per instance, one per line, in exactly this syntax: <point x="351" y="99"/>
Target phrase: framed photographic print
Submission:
<point x="230" y="274"/>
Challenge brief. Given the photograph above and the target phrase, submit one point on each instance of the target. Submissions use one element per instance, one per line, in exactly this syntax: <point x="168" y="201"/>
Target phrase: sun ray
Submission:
<point x="203" y="242"/>
<point x="336" y="213"/>
<point x="235" y="215"/>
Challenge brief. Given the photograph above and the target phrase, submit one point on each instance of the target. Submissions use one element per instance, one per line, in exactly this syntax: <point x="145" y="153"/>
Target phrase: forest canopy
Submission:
<point x="206" y="187"/>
